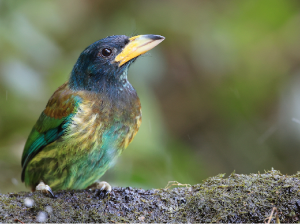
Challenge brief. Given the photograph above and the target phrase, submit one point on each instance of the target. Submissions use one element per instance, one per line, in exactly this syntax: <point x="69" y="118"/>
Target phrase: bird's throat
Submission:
<point x="100" y="83"/>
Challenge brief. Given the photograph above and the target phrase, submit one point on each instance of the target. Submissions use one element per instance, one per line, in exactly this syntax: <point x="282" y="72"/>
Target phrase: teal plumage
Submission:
<point x="89" y="120"/>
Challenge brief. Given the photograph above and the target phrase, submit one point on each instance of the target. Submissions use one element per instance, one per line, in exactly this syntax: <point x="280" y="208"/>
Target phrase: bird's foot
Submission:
<point x="44" y="188"/>
<point x="101" y="185"/>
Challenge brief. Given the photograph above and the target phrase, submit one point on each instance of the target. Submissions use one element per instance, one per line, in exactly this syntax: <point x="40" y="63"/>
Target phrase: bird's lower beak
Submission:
<point x="138" y="45"/>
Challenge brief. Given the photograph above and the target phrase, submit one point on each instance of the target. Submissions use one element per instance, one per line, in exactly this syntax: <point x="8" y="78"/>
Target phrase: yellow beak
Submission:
<point x="138" y="45"/>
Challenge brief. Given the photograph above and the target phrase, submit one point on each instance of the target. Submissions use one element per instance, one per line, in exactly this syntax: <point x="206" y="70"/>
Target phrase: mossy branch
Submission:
<point x="238" y="198"/>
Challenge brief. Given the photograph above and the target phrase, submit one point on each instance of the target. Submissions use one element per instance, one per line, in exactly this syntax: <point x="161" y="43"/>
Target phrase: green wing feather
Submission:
<point x="52" y="123"/>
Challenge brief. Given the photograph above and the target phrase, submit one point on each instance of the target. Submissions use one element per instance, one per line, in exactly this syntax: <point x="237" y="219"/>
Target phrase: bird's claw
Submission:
<point x="102" y="186"/>
<point x="44" y="188"/>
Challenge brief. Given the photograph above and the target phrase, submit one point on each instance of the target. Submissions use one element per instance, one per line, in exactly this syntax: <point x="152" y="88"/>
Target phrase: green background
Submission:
<point x="221" y="93"/>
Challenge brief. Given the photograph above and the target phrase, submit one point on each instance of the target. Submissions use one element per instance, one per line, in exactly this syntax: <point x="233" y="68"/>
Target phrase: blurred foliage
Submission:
<point x="221" y="93"/>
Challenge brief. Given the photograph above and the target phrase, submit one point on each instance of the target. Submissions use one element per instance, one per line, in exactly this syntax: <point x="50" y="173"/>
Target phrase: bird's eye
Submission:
<point x="106" y="52"/>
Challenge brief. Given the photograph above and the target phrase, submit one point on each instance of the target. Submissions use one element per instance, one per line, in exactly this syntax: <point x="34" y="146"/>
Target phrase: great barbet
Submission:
<point x="89" y="120"/>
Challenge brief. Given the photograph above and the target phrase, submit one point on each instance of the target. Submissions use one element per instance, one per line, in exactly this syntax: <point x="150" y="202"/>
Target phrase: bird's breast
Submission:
<point x="101" y="123"/>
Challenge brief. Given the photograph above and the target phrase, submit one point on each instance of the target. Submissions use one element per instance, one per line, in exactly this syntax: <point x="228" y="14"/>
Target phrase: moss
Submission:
<point x="238" y="198"/>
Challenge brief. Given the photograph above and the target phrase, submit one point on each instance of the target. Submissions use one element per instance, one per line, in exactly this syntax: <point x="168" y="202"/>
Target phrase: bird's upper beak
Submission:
<point x="138" y="45"/>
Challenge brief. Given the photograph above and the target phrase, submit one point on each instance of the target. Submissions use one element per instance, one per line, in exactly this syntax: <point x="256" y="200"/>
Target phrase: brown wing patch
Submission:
<point x="61" y="103"/>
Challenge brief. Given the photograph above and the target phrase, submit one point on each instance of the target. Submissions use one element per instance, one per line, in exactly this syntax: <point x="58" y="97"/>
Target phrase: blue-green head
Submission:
<point x="104" y="64"/>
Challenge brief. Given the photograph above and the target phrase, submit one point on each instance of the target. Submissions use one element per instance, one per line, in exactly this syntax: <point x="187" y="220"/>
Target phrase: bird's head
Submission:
<point x="105" y="62"/>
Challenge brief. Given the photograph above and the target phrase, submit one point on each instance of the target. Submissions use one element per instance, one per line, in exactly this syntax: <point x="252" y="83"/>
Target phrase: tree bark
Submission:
<point x="237" y="198"/>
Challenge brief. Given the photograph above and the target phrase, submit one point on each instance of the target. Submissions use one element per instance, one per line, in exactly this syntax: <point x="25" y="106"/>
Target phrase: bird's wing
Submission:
<point x="51" y="124"/>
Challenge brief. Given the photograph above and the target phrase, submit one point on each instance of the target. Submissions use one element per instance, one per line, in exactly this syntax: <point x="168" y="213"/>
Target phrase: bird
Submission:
<point x="89" y="120"/>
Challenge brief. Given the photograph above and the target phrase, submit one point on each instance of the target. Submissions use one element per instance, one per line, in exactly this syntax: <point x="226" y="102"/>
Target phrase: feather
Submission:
<point x="51" y="124"/>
